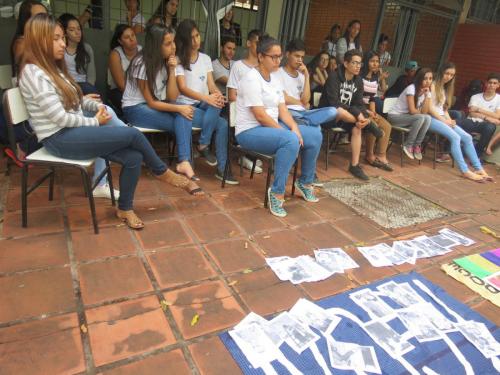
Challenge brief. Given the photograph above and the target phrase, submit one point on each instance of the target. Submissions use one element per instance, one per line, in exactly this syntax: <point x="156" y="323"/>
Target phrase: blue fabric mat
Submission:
<point x="436" y="355"/>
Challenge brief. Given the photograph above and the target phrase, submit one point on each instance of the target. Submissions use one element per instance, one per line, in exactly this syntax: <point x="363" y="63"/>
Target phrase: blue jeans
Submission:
<point x="208" y="119"/>
<point x="284" y="144"/>
<point x="88" y="88"/>
<point x="122" y="144"/>
<point x="314" y="117"/>
<point x="146" y="117"/>
<point x="100" y="164"/>
<point x="457" y="136"/>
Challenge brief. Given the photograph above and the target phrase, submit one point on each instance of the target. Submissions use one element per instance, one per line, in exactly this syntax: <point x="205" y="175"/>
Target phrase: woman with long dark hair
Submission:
<point x="134" y="17"/>
<point x="318" y="71"/>
<point x="264" y="124"/>
<point x="151" y="90"/>
<point x="350" y="40"/>
<point x="370" y="75"/>
<point x="166" y="13"/>
<point x="330" y="43"/>
<point x="28" y="9"/>
<point x="79" y="56"/>
<point x="442" y="91"/>
<point x="55" y="105"/>
<point x="229" y="28"/>
<point x="124" y="47"/>
<point x="410" y="111"/>
<point x="197" y="88"/>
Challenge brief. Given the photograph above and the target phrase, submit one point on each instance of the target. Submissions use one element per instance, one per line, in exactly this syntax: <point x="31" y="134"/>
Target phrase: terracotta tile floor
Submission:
<point x="122" y="302"/>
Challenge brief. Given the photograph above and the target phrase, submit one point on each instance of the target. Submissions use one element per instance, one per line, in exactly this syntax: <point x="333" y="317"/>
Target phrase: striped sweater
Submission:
<point x="45" y="105"/>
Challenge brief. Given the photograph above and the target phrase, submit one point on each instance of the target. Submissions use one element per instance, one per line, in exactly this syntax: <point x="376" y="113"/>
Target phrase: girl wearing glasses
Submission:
<point x="198" y="89"/>
<point x="442" y="124"/>
<point x="263" y="124"/>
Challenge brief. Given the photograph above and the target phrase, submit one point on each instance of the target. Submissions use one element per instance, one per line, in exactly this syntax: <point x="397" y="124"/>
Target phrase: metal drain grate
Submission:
<point x="388" y="205"/>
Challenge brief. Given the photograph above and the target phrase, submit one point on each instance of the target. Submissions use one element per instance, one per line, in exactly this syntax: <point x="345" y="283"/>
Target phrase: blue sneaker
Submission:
<point x="275" y="204"/>
<point x="306" y="192"/>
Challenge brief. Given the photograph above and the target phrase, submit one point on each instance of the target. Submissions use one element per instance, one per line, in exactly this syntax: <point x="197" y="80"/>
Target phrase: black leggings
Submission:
<point x="484" y="129"/>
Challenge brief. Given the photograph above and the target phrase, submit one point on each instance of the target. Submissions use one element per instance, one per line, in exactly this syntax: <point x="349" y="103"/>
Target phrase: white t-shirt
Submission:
<point x="238" y="71"/>
<point x="137" y="20"/>
<point x="71" y="65"/>
<point x="439" y="107"/>
<point x="196" y="78"/>
<point x="293" y="86"/>
<point x="255" y="91"/>
<point x="491" y="105"/>
<point x="221" y="71"/>
<point x="401" y="106"/>
<point x="124" y="61"/>
<point x="133" y="95"/>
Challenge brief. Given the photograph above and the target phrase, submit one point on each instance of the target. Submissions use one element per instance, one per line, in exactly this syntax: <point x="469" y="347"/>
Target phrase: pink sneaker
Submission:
<point x="417" y="152"/>
<point x="408" y="150"/>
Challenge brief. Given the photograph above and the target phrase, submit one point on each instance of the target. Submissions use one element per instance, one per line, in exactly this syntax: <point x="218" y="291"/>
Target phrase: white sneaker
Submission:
<point x="102" y="191"/>
<point x="247" y="164"/>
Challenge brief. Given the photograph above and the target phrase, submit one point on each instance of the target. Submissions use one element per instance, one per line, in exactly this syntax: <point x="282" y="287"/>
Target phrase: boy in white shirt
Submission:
<point x="484" y="113"/>
<point x="222" y="65"/>
<point x="295" y="80"/>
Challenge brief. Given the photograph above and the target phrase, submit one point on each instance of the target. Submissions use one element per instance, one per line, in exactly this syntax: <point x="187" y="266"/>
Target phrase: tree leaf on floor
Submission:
<point x="195" y="320"/>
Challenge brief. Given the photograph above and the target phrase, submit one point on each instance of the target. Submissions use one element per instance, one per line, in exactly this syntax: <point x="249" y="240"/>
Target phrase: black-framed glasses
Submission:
<point x="275" y="58"/>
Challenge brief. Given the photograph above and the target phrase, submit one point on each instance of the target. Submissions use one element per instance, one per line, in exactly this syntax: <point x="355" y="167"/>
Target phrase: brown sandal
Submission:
<point x="130" y="218"/>
<point x="179" y="180"/>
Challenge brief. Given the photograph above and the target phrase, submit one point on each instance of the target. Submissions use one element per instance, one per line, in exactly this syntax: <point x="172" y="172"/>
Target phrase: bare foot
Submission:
<point x="483" y="174"/>
<point x="185" y="168"/>
<point x="473" y="176"/>
<point x="488" y="151"/>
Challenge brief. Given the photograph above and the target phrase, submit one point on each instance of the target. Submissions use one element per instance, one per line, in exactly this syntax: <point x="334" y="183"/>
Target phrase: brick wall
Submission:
<point x="324" y="13"/>
<point x="475" y="52"/>
<point x="429" y="40"/>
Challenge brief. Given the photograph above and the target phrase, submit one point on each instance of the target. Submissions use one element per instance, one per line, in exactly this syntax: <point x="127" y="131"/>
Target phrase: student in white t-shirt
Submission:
<point x="197" y="88"/>
<point x="410" y="111"/>
<point x="442" y="91"/>
<point x="151" y="89"/>
<point x="222" y="65"/>
<point x="124" y="47"/>
<point x="239" y="69"/>
<point x="264" y="124"/>
<point x="295" y="80"/>
<point x="484" y="113"/>
<point x="134" y="17"/>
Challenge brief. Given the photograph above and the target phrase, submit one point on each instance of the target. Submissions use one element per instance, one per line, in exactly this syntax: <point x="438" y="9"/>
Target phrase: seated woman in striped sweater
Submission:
<point x="55" y="104"/>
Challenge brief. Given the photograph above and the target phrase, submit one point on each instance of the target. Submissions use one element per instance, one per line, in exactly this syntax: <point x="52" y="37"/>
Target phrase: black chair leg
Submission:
<point x="88" y="190"/>
<point x="268" y="182"/>
<point x="110" y="182"/>
<point x="51" y="184"/>
<point x="327" y="151"/>
<point x="295" y="168"/>
<point x="402" y="145"/>
<point x="24" y="195"/>
<point x="435" y="151"/>
<point x="253" y="168"/>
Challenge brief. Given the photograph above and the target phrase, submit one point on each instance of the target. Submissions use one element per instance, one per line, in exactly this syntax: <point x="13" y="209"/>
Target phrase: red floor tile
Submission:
<point x="80" y="218"/>
<point x="179" y="266"/>
<point x="235" y="255"/>
<point x="323" y="235"/>
<point x="37" y="199"/>
<point x="110" y="242"/>
<point x="48" y="346"/>
<point x="211" y="301"/>
<point x="213" y="227"/>
<point x="40" y="221"/>
<point x="236" y="199"/>
<point x="212" y="357"/>
<point x="129" y="328"/>
<point x="36" y="293"/>
<point x="285" y="242"/>
<point x="113" y="279"/>
<point x="172" y="362"/>
<point x="163" y="234"/>
<point x="18" y="255"/>
<point x="256" y="219"/>
<point x="189" y="205"/>
<point x="261" y="287"/>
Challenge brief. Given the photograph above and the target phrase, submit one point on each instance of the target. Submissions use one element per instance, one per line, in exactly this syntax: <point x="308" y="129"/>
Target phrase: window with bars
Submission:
<point x="106" y="14"/>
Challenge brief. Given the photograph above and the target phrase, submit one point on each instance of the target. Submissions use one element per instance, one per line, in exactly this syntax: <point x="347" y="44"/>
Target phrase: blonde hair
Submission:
<point x="39" y="50"/>
<point x="444" y="91"/>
